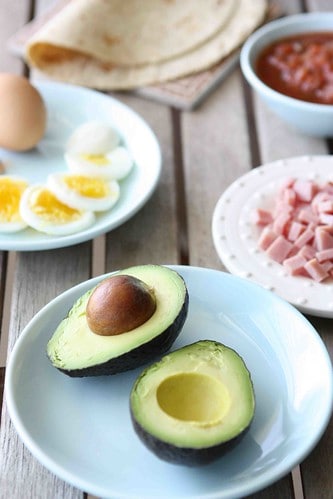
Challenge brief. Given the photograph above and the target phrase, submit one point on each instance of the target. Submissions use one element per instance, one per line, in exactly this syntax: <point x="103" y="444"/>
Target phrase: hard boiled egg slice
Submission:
<point x="11" y="190"/>
<point x="93" y="137"/>
<point x="44" y="212"/>
<point x="83" y="192"/>
<point x="114" y="165"/>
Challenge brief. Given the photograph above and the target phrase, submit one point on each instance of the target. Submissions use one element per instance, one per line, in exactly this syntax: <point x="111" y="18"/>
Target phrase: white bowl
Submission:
<point x="310" y="118"/>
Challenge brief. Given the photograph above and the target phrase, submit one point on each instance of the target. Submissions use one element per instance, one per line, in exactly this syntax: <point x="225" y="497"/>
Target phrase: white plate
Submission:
<point x="236" y="236"/>
<point x="69" y="106"/>
<point x="80" y="428"/>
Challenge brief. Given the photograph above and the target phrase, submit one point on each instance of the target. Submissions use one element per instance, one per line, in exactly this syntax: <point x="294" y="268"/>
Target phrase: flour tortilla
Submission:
<point x="84" y="67"/>
<point x="133" y="32"/>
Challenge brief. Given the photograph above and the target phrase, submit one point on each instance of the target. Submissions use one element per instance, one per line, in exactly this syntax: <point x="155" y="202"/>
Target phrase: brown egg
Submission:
<point x="22" y="113"/>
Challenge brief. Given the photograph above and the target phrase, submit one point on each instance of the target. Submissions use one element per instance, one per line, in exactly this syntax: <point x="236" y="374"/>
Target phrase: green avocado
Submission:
<point x="194" y="404"/>
<point x="78" y="351"/>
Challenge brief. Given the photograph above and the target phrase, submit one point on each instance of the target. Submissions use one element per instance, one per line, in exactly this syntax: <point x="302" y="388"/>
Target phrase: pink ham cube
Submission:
<point x="304" y="238"/>
<point x="281" y="223"/>
<point x="262" y="217"/>
<point x="316" y="270"/>
<point x="295" y="264"/>
<point x="295" y="230"/>
<point x="324" y="255"/>
<point x="307" y="251"/>
<point x="305" y="189"/>
<point x="279" y="249"/>
<point x="266" y="238"/>
<point x="323" y="239"/>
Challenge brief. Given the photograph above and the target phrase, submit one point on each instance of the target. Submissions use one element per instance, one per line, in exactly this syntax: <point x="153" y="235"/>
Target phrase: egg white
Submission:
<point x="11" y="191"/>
<point x="93" y="137"/>
<point x="114" y="165"/>
<point x="71" y="190"/>
<point x="48" y="217"/>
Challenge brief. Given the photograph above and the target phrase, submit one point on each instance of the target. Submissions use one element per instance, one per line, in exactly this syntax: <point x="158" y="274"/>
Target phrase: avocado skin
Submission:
<point x="140" y="355"/>
<point x="184" y="455"/>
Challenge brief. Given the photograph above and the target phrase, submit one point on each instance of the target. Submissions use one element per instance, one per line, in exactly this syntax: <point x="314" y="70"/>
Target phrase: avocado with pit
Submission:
<point x="127" y="320"/>
<point x="193" y="405"/>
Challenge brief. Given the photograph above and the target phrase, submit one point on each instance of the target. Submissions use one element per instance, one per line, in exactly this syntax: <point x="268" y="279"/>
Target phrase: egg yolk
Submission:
<point x="49" y="208"/>
<point x="88" y="187"/>
<point x="10" y="195"/>
<point x="97" y="159"/>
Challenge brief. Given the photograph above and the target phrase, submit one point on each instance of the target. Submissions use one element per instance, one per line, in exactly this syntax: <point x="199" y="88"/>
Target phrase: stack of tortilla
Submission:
<point x="124" y="44"/>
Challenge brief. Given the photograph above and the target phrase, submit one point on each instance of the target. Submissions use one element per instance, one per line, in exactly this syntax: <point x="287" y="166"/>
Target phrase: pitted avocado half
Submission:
<point x="78" y="351"/>
<point x="194" y="404"/>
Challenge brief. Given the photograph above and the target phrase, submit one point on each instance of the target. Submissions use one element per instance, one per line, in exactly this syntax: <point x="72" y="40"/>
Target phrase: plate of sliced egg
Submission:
<point x="96" y="165"/>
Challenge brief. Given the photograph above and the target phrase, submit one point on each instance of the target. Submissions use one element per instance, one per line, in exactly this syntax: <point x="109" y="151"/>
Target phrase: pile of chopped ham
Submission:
<point x="298" y="232"/>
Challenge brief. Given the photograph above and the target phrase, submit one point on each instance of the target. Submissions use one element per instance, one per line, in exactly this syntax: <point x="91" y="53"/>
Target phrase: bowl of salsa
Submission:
<point x="289" y="63"/>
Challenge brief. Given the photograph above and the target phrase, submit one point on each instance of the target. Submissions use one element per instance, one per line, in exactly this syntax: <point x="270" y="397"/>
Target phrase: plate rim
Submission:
<point x="90" y="233"/>
<point x="267" y="478"/>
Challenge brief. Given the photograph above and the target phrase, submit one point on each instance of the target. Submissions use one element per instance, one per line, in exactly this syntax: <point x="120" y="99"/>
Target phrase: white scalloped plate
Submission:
<point x="236" y="237"/>
<point x="69" y="106"/>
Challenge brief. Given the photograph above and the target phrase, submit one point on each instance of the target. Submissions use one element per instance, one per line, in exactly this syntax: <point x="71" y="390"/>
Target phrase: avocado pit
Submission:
<point x="77" y="351"/>
<point x="119" y="304"/>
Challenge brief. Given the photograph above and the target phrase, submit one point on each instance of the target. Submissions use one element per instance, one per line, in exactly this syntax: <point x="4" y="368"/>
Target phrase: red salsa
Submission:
<point x="300" y="66"/>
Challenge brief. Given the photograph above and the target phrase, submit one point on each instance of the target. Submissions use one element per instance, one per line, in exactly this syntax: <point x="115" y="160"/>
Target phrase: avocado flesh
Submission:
<point x="194" y="404"/>
<point x="77" y="351"/>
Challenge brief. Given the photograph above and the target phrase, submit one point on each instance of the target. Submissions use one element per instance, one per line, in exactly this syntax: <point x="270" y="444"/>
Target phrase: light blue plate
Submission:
<point x="80" y="429"/>
<point x="68" y="107"/>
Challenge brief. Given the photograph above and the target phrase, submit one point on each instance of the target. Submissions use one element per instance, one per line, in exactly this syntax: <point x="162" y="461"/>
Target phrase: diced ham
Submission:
<point x="295" y="230"/>
<point x="325" y="206"/>
<point x="289" y="197"/>
<point x="323" y="239"/>
<point x="316" y="270"/>
<point x="295" y="264"/>
<point x="323" y="255"/>
<point x="288" y="182"/>
<point x="320" y="197"/>
<point x="326" y="218"/>
<point x="327" y="265"/>
<point x="328" y="187"/>
<point x="298" y="232"/>
<point x="279" y="249"/>
<point x="304" y="238"/>
<point x="305" y="189"/>
<point x="262" y="217"/>
<point x="280" y="224"/>
<point x="282" y="208"/>
<point x="307" y="251"/>
<point x="294" y="251"/>
<point x="266" y="238"/>
<point x="307" y="216"/>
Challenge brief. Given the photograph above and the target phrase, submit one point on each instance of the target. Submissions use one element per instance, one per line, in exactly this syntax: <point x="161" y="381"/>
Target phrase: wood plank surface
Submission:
<point x="203" y="152"/>
<point x="151" y="236"/>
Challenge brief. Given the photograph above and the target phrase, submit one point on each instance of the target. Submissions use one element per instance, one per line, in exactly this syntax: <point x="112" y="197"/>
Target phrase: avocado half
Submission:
<point x="77" y="351"/>
<point x="194" y="404"/>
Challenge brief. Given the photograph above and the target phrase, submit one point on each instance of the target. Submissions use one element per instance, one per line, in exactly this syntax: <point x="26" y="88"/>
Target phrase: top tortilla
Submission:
<point x="83" y="64"/>
<point x="134" y="32"/>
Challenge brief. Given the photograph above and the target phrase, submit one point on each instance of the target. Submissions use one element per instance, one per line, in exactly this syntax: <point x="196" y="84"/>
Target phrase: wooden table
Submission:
<point x="204" y="151"/>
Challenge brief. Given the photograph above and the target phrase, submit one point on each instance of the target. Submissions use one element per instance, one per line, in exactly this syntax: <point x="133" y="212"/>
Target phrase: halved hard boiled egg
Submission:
<point x="93" y="137"/>
<point x="84" y="193"/>
<point x="40" y="209"/>
<point x="11" y="191"/>
<point x="113" y="165"/>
